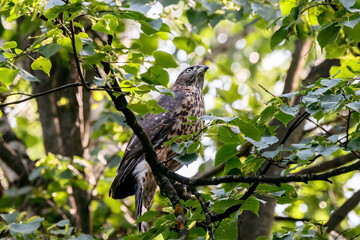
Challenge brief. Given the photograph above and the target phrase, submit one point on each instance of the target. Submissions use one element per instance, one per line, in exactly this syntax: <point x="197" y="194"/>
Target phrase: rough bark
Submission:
<point x="65" y="122"/>
<point x="298" y="61"/>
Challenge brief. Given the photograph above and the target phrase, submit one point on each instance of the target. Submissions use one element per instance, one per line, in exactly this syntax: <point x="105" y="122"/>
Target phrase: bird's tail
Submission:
<point x="140" y="208"/>
<point x="144" y="191"/>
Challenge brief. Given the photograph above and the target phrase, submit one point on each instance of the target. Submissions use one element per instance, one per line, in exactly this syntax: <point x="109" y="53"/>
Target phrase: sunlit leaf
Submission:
<point x="43" y="64"/>
<point x="164" y="59"/>
<point x="8" y="75"/>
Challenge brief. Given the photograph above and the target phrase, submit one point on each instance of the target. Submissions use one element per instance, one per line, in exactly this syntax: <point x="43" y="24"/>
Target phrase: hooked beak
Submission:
<point x="203" y="69"/>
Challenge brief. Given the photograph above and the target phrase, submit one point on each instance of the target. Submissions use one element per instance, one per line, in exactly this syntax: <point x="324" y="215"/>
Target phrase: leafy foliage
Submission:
<point x="141" y="46"/>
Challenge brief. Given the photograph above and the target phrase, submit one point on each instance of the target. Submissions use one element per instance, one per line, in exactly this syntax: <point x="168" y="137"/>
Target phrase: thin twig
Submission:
<point x="69" y="85"/>
<point x="205" y="208"/>
<point x="267" y="91"/>
<point x="316" y="5"/>
<point x="78" y="66"/>
<point x="319" y="126"/>
<point x="347" y="127"/>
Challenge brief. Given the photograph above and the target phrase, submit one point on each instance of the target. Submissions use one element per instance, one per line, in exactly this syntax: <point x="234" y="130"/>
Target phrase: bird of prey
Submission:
<point x="134" y="175"/>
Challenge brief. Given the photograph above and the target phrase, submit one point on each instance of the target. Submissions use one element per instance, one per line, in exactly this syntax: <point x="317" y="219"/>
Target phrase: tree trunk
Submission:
<point x="251" y="226"/>
<point x="65" y="121"/>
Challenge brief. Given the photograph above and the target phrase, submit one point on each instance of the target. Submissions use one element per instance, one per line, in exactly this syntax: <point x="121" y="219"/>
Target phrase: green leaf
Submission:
<point x="139" y="107"/>
<point x="226" y="230"/>
<point x="35" y="173"/>
<point x="216" y="118"/>
<point x="147" y="217"/>
<point x="354" y="105"/>
<point x="164" y="59"/>
<point x="284" y="118"/>
<point x="285" y="193"/>
<point x="348" y="4"/>
<point x="151" y="27"/>
<point x="265" y="11"/>
<point x="280" y="35"/>
<point x="267" y="114"/>
<point x="154" y="107"/>
<point x="186" y="159"/>
<point x="95" y="59"/>
<point x="251" y="204"/>
<point x="286" y="6"/>
<point x="197" y="18"/>
<point x="233" y="162"/>
<point x="146" y="44"/>
<point x="290" y="110"/>
<point x="185" y="43"/>
<point x="166" y="3"/>
<point x="8" y="75"/>
<point x="331" y="102"/>
<point x="249" y="129"/>
<point x="49" y="49"/>
<point x="145" y="107"/>
<point x="156" y="75"/>
<point x="10" y="217"/>
<point x="27" y="76"/>
<point x="221" y="205"/>
<point x="352" y="23"/>
<point x="54" y="3"/>
<point x="327" y="150"/>
<point x="43" y="64"/>
<point x="82" y="237"/>
<point x="328" y="34"/>
<point x="193" y="147"/>
<point x="107" y="24"/>
<point x="305" y="154"/>
<point x="26" y="228"/>
<point x="227" y="136"/>
<point x="252" y="164"/>
<point x="66" y="43"/>
<point x="225" y="152"/>
<point x="11" y="44"/>
<point x="330" y="83"/>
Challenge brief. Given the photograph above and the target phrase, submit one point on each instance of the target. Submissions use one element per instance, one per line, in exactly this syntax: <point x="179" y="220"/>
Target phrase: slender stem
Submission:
<point x="69" y="85"/>
<point x="78" y="66"/>
<point x="316" y="5"/>
<point x="205" y="208"/>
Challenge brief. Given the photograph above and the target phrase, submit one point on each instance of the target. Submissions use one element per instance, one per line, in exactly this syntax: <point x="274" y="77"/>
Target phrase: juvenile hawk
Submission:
<point x="134" y="175"/>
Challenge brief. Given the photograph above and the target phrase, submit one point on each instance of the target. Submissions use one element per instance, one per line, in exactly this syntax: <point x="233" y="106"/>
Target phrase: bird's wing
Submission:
<point x="157" y="127"/>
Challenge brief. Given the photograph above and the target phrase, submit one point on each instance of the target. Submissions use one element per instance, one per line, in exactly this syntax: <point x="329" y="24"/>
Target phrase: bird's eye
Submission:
<point x="189" y="70"/>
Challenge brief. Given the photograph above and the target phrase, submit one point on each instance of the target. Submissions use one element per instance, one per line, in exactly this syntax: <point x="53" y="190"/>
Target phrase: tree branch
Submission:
<point x="69" y="85"/>
<point x="152" y="159"/>
<point x="262" y="179"/>
<point x="339" y="214"/>
<point x="205" y="208"/>
<point x="327" y="165"/>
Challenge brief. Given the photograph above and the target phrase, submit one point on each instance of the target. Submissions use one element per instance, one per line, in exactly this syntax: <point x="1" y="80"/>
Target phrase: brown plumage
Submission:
<point x="134" y="175"/>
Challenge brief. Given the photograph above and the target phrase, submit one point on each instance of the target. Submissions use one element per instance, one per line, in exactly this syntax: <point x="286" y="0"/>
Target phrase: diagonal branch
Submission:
<point x="338" y="215"/>
<point x="77" y="61"/>
<point x="327" y="165"/>
<point x="152" y="159"/>
<point x="205" y="208"/>
<point x="261" y="179"/>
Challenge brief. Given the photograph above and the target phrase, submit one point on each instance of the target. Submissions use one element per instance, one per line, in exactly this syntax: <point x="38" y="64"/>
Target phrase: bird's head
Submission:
<point x="192" y="76"/>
